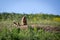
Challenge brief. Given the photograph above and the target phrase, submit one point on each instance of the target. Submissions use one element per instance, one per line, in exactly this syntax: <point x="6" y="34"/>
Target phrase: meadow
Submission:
<point x="8" y="30"/>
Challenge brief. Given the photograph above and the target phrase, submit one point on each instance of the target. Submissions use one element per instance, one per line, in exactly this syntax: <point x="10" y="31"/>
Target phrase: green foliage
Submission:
<point x="9" y="32"/>
<point x="12" y="16"/>
<point x="28" y="34"/>
<point x="31" y="18"/>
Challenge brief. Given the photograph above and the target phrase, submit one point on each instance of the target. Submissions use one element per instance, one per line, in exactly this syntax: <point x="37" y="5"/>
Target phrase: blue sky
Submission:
<point x="30" y="6"/>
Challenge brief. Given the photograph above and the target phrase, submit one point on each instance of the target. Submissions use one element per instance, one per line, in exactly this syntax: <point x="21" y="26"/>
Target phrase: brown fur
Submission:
<point x="18" y="24"/>
<point x="15" y="23"/>
<point x="24" y="21"/>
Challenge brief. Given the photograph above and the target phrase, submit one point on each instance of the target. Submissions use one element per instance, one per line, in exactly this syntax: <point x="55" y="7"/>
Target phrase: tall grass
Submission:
<point x="9" y="32"/>
<point x="28" y="34"/>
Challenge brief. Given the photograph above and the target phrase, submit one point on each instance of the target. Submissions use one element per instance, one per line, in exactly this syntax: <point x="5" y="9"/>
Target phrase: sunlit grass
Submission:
<point x="56" y="19"/>
<point x="9" y="31"/>
<point x="29" y="34"/>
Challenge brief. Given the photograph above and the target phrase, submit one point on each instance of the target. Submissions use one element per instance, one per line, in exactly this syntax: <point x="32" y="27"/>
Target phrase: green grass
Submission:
<point x="28" y="34"/>
<point x="9" y="32"/>
<point x="45" y="19"/>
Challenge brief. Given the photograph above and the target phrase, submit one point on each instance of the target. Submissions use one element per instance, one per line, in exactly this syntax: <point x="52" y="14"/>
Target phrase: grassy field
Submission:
<point x="8" y="30"/>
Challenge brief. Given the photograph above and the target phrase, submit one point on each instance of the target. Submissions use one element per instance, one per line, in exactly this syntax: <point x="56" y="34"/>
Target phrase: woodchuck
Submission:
<point x="24" y="20"/>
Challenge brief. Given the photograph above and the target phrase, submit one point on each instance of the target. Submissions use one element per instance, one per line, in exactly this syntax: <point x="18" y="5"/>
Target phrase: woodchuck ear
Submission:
<point x="19" y="24"/>
<point x="15" y="23"/>
<point x="24" y="20"/>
